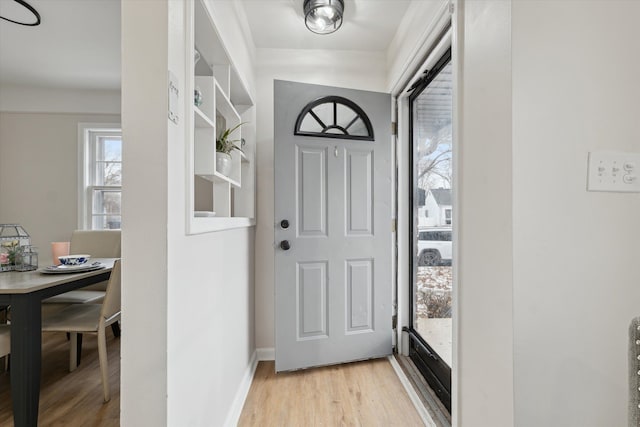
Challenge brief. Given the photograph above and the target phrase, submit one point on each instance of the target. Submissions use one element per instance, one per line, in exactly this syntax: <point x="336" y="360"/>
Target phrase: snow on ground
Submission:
<point x="434" y="292"/>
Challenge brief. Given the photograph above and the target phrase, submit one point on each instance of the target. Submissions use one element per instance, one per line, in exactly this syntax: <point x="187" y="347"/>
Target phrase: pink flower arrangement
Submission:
<point x="11" y="248"/>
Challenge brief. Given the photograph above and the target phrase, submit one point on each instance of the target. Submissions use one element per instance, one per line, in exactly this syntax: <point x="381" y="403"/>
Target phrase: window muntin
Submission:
<point x="334" y="117"/>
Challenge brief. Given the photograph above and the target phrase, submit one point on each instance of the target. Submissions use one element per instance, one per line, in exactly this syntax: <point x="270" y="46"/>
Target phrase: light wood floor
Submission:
<point x="356" y="394"/>
<point x="72" y="399"/>
<point x="366" y="394"/>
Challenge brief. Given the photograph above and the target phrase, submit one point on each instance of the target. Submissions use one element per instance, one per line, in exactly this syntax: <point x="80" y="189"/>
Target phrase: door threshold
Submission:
<point x="439" y="414"/>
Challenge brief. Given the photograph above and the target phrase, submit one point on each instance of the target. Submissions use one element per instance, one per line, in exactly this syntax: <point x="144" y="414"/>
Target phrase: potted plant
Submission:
<point x="224" y="146"/>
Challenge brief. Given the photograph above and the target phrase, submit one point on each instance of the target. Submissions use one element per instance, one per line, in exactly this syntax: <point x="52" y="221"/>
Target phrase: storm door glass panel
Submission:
<point x="431" y="234"/>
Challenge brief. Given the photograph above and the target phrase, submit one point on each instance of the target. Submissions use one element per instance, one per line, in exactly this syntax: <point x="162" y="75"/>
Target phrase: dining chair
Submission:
<point x="98" y="244"/>
<point x="5" y="342"/>
<point x="90" y="318"/>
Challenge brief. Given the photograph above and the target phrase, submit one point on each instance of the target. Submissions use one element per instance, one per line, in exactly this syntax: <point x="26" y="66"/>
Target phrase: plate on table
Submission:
<point x="66" y="269"/>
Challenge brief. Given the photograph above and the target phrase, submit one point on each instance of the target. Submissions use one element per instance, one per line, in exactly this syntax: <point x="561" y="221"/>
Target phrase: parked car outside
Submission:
<point x="434" y="246"/>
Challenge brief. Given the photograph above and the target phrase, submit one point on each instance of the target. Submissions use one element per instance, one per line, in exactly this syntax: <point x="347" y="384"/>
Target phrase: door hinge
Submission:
<point x="451" y="7"/>
<point x="394" y="225"/>
<point x="394" y="321"/>
<point x="394" y="128"/>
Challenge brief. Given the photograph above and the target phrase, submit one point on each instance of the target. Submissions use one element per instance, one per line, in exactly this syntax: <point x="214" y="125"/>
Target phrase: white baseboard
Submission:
<point x="417" y="403"/>
<point x="266" y="353"/>
<point x="241" y="395"/>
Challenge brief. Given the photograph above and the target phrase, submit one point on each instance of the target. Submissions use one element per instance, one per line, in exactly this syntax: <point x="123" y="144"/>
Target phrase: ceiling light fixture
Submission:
<point x="323" y="16"/>
<point x="30" y="9"/>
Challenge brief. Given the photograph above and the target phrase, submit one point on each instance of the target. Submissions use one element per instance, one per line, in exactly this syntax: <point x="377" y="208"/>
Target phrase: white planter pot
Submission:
<point x="223" y="163"/>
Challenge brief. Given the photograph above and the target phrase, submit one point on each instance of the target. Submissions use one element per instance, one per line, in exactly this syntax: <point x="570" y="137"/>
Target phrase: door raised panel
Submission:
<point x="311" y="197"/>
<point x="312" y="295"/>
<point x="359" y="298"/>
<point x="359" y="183"/>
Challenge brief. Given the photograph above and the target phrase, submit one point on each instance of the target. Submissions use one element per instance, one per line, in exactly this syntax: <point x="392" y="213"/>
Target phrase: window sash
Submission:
<point x="97" y="161"/>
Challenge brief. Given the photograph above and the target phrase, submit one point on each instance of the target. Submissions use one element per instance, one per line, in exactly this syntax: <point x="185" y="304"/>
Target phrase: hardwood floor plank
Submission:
<point x="69" y="399"/>
<point x="360" y="394"/>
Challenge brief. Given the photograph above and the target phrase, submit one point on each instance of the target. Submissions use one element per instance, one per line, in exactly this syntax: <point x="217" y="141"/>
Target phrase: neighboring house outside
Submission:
<point x="436" y="211"/>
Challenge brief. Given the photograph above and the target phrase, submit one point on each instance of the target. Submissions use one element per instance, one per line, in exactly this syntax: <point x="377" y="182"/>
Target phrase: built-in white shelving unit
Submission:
<point x="217" y="201"/>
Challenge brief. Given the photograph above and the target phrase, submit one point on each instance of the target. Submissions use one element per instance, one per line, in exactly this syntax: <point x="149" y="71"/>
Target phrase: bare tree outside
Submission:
<point x="107" y="202"/>
<point x="432" y="142"/>
<point x="435" y="169"/>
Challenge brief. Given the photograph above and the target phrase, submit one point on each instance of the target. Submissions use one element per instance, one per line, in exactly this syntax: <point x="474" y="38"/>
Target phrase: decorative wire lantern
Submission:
<point x="13" y="238"/>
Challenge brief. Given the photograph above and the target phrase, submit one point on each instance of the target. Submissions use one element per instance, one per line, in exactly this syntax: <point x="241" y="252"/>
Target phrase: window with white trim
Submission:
<point x="100" y="189"/>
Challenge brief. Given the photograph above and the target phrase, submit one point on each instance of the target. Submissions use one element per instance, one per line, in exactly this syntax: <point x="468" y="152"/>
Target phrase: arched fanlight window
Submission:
<point x="334" y="117"/>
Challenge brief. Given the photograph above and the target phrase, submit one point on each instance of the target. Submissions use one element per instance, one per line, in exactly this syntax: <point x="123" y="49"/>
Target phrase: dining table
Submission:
<point x="23" y="292"/>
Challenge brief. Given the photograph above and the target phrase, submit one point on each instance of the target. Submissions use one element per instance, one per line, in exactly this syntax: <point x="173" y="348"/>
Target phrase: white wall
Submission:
<point x="34" y="99"/>
<point x="188" y="337"/>
<point x="483" y="364"/>
<point x="529" y="113"/>
<point x="39" y="173"/>
<point x="357" y="70"/>
<point x="576" y="271"/>
<point x="144" y="344"/>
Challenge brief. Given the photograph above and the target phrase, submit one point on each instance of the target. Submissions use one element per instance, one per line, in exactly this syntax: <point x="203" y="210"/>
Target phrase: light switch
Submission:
<point x="613" y="171"/>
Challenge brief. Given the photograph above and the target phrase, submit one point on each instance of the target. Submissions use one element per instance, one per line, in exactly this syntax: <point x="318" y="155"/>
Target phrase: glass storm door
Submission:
<point x="430" y="112"/>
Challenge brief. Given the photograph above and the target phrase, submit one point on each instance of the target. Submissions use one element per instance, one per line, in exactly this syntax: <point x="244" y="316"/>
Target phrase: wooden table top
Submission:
<point x="22" y="282"/>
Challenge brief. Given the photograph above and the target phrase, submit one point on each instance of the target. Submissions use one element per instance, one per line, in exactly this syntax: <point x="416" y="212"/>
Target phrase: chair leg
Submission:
<point x="79" y="350"/>
<point x="115" y="327"/>
<point x="73" y="351"/>
<point x="102" y="356"/>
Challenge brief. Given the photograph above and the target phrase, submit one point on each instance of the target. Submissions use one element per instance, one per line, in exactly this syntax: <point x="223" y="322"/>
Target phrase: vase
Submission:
<point x="197" y="97"/>
<point x="223" y="163"/>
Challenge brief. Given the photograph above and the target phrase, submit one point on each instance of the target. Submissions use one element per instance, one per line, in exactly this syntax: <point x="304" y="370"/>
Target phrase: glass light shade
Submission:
<point x="323" y="16"/>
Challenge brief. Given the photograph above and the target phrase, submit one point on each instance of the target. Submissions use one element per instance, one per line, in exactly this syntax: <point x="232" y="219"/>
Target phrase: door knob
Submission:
<point x="284" y="224"/>
<point x="285" y="245"/>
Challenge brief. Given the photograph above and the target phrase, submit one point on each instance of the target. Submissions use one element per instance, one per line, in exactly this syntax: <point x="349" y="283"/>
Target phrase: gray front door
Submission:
<point x="333" y="225"/>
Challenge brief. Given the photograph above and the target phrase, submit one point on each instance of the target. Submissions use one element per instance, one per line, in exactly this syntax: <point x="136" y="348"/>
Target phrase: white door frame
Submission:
<point x="430" y="47"/>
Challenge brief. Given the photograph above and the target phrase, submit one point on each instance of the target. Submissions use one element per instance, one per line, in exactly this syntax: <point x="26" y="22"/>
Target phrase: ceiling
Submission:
<point x="77" y="45"/>
<point x="368" y="25"/>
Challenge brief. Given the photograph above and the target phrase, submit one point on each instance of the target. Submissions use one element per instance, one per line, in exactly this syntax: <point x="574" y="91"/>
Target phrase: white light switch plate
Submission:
<point x="614" y="171"/>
